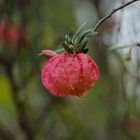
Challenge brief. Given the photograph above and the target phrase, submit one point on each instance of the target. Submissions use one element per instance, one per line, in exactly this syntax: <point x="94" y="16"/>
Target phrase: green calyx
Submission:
<point x="79" y="41"/>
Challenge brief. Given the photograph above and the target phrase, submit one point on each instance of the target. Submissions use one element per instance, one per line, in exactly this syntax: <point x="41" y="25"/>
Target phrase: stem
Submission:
<point x="123" y="47"/>
<point x="101" y="21"/>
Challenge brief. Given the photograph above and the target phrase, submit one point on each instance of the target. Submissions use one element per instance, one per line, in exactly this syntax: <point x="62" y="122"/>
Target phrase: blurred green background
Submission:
<point x="109" y="111"/>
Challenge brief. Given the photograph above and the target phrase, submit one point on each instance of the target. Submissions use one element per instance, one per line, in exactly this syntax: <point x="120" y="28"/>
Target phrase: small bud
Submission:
<point x="48" y="53"/>
<point x="128" y="56"/>
<point x="71" y="47"/>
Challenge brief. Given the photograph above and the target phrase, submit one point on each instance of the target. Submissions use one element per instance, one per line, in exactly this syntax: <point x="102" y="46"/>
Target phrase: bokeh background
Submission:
<point x="109" y="111"/>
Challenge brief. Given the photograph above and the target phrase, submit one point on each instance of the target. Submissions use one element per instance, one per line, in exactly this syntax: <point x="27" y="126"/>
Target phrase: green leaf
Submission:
<point x="68" y="40"/>
<point x="83" y="42"/>
<point x="66" y="43"/>
<point x="59" y="51"/>
<point x="78" y="32"/>
<point x="85" y="50"/>
<point x="83" y="35"/>
<point x="67" y="48"/>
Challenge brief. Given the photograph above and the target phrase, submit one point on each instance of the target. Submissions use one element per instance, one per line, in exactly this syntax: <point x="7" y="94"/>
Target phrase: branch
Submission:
<point x="101" y="21"/>
<point x="113" y="48"/>
<point x="5" y="134"/>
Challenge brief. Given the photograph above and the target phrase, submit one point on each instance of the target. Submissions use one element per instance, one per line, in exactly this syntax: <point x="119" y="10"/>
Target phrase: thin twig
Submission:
<point x="101" y="21"/>
<point x="113" y="48"/>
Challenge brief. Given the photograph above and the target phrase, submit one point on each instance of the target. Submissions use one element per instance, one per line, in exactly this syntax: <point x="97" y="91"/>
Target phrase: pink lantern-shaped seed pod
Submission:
<point x="72" y="72"/>
<point x="68" y="74"/>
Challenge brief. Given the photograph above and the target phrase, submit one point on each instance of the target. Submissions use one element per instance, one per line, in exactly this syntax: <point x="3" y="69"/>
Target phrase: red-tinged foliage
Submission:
<point x="1" y="31"/>
<point x="12" y="35"/>
<point x="68" y="74"/>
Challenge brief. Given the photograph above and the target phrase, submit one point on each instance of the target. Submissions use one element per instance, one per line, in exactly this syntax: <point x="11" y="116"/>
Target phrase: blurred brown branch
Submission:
<point x="101" y="21"/>
<point x="5" y="134"/>
<point x="23" y="117"/>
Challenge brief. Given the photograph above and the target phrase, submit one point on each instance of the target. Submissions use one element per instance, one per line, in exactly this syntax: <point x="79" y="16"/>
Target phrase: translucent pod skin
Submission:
<point x="67" y="74"/>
